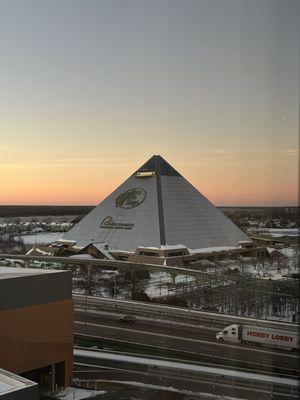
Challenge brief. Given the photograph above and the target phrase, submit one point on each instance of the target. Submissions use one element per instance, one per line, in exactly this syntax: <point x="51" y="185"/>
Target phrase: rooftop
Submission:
<point x="10" y="382"/>
<point x="215" y="249"/>
<point x="15" y="272"/>
<point x="159" y="166"/>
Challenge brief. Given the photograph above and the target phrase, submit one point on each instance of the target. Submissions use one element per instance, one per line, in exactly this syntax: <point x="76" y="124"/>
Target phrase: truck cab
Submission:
<point x="229" y="334"/>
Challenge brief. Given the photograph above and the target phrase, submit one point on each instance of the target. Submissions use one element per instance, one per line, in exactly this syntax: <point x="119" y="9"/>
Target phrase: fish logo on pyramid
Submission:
<point x="131" y="198"/>
<point x="156" y="207"/>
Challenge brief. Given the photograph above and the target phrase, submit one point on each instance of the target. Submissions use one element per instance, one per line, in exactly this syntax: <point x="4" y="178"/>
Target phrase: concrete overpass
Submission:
<point x="118" y="265"/>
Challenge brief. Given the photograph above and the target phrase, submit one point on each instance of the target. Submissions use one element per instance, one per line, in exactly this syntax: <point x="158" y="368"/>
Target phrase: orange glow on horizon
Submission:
<point x="57" y="196"/>
<point x="223" y="181"/>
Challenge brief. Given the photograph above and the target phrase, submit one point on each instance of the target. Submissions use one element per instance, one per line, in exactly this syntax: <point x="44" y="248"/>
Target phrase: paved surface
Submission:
<point x="191" y="342"/>
<point x="103" y="370"/>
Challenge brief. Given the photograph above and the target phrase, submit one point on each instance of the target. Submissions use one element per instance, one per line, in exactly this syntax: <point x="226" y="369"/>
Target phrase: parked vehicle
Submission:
<point x="130" y="318"/>
<point x="260" y="335"/>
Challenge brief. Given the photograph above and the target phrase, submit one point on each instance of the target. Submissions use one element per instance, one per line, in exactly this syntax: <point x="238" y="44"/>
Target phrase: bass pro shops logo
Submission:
<point x="131" y="198"/>
<point x="109" y="223"/>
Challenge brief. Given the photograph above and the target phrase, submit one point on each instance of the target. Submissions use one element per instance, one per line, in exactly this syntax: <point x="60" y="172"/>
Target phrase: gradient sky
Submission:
<point x="90" y="89"/>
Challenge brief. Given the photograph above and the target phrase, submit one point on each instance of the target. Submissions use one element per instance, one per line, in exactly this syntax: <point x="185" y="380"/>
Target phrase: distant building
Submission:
<point x="274" y="253"/>
<point x="181" y="256"/>
<point x="97" y="250"/>
<point x="41" y="250"/>
<point x="57" y="248"/>
<point x="36" y="320"/>
<point x="159" y="211"/>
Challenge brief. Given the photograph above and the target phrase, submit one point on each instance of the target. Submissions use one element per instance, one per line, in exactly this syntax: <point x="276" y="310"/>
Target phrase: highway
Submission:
<point x="181" y="340"/>
<point x="166" y="312"/>
<point x="99" y="366"/>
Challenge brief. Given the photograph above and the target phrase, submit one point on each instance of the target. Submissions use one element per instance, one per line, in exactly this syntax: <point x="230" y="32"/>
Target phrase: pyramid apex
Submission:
<point x="158" y="165"/>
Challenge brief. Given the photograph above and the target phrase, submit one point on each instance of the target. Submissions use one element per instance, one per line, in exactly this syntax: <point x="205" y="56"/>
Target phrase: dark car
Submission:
<point x="130" y="318"/>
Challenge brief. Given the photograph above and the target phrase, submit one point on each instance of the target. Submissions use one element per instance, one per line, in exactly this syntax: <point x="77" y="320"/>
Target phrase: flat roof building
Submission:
<point x="36" y="324"/>
<point x="15" y="387"/>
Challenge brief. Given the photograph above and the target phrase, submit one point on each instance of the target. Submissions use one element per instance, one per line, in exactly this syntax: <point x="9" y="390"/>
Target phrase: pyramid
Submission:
<point x="156" y="207"/>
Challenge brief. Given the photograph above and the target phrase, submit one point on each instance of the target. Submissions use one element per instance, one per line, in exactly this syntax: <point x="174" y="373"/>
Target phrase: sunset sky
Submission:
<point x="90" y="89"/>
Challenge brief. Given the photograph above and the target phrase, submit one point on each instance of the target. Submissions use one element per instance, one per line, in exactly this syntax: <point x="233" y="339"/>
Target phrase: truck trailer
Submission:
<point x="259" y="335"/>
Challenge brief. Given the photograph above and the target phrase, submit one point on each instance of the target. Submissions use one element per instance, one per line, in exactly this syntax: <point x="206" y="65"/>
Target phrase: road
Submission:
<point x="104" y="366"/>
<point x="184" y="341"/>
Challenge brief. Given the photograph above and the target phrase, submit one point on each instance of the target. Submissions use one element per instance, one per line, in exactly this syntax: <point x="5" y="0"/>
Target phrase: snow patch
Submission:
<point x="41" y="238"/>
<point x="172" y="389"/>
<point x="73" y="393"/>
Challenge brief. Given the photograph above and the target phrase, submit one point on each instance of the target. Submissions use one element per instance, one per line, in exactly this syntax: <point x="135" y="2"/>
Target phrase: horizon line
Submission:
<point x="95" y="205"/>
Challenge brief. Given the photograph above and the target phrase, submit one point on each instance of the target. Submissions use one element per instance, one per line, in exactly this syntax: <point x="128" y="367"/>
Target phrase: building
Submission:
<point x="36" y="320"/>
<point x="97" y="250"/>
<point x="41" y="250"/>
<point x="156" y="209"/>
<point x="15" y="387"/>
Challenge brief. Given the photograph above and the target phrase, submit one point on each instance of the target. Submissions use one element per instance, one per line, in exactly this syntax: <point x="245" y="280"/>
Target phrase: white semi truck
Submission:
<point x="259" y="335"/>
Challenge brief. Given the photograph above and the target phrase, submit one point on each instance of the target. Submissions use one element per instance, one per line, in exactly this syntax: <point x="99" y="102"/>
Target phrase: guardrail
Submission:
<point x="244" y="365"/>
<point x="213" y="383"/>
<point x="167" y="312"/>
<point x="249" y="381"/>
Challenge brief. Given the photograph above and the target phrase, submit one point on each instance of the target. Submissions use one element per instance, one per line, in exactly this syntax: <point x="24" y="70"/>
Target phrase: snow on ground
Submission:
<point x="72" y="393"/>
<point x="277" y="232"/>
<point x="182" y="366"/>
<point x="42" y="238"/>
<point x="83" y="256"/>
<point x="12" y="262"/>
<point x="173" y="390"/>
<point x="158" y="283"/>
<point x="213" y="249"/>
<point x="288" y="251"/>
<point x="274" y="269"/>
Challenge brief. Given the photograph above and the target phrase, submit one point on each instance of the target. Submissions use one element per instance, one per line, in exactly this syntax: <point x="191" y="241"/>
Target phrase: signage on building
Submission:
<point x="131" y="198"/>
<point x="110" y="223"/>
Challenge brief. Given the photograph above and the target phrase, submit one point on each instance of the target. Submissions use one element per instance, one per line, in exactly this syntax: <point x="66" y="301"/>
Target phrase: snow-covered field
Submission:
<point x="277" y="232"/>
<point x="41" y="238"/>
<point x="159" y="282"/>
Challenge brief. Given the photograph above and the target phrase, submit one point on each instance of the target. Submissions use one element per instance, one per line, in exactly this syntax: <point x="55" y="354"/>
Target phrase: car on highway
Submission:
<point x="129" y="318"/>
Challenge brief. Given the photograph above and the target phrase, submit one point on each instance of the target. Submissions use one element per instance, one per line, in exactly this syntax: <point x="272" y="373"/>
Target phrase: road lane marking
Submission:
<point x="80" y="312"/>
<point x="184" y="352"/>
<point x="181" y="338"/>
<point x="92" y="354"/>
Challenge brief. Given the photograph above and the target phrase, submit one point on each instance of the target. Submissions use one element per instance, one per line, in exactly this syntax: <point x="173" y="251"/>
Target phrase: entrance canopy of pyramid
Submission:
<point x="156" y="206"/>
